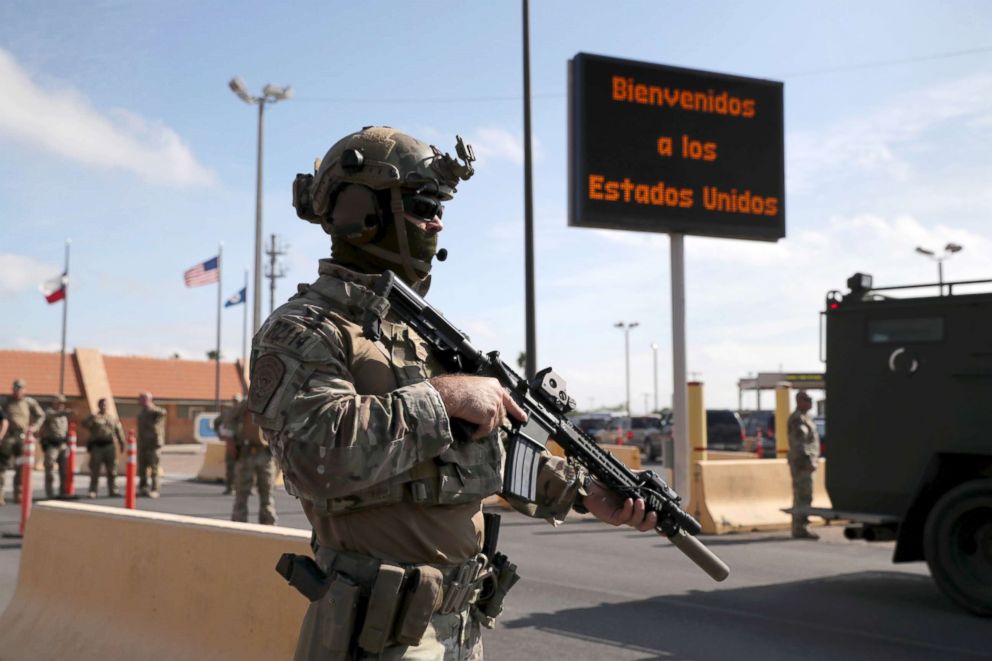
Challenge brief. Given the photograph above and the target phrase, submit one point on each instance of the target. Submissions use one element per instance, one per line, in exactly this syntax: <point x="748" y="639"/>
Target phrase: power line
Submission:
<point x="559" y="95"/>
<point x="887" y="63"/>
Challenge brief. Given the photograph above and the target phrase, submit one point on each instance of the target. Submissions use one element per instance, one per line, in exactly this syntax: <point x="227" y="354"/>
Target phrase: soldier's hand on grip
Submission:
<point x="478" y="400"/>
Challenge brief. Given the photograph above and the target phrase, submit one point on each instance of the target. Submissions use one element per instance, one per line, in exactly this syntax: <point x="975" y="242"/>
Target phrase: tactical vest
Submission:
<point x="465" y="472"/>
<point x="101" y="427"/>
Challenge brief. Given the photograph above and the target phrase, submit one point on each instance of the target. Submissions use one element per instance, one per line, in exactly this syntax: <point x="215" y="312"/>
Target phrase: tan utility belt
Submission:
<point x="399" y="600"/>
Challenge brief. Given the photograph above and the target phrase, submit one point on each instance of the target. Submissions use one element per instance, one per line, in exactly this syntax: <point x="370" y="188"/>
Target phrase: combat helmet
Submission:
<point x="372" y="176"/>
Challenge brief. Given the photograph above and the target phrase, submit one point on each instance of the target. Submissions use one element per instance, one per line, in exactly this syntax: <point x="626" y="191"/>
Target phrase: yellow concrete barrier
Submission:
<point x="724" y="455"/>
<point x="748" y="494"/>
<point x="214" y="468"/>
<point x="107" y="583"/>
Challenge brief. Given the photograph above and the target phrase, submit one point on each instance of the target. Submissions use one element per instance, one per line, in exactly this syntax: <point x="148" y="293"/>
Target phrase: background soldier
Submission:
<point x="54" y="436"/>
<point x="255" y="466"/>
<point x="361" y="429"/>
<point x="151" y="438"/>
<point x="23" y="414"/>
<point x="226" y="424"/>
<point x="104" y="430"/>
<point x="804" y="452"/>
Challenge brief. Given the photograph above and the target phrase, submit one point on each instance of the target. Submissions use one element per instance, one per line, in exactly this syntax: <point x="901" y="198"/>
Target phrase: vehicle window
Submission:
<point x="592" y="424"/>
<point x="922" y="329"/>
<point x="720" y="418"/>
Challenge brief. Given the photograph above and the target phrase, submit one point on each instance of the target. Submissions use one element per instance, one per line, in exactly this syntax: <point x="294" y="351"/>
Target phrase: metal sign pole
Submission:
<point x="680" y="401"/>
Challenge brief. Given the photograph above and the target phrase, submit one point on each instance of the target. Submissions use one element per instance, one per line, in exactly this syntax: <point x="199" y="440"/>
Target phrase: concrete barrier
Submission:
<point x="748" y="494"/>
<point x="214" y="468"/>
<point x="106" y="583"/>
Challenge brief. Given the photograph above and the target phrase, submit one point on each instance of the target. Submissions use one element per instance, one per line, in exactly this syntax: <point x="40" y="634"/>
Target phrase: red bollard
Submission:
<point x="70" y="462"/>
<point x="26" y="460"/>
<point x="131" y="471"/>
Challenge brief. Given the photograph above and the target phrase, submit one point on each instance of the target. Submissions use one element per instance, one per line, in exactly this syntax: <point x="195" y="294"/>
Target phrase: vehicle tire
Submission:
<point x="957" y="541"/>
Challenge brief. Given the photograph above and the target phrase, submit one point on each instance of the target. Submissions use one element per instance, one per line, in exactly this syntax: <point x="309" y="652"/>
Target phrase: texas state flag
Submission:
<point x="55" y="289"/>
<point x="236" y="299"/>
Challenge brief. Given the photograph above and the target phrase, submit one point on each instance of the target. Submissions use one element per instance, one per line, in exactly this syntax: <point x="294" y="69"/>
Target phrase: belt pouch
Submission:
<point x="424" y="594"/>
<point x="342" y="602"/>
<point x="384" y="602"/>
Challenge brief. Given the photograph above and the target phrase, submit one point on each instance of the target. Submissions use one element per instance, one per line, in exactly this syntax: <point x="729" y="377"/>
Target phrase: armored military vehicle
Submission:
<point x="909" y="398"/>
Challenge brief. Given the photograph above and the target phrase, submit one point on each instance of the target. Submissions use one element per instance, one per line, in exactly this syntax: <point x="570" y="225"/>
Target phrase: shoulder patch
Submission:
<point x="266" y="376"/>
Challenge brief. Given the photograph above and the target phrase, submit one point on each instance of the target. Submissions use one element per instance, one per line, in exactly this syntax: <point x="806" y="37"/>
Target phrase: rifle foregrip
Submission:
<point x="702" y="556"/>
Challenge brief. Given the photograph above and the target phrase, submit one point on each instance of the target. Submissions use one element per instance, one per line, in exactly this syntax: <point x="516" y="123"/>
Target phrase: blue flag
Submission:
<point x="236" y="299"/>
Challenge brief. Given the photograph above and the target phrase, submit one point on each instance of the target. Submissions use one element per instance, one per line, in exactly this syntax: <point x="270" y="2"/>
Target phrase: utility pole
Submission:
<point x="626" y="328"/>
<point x="275" y="268"/>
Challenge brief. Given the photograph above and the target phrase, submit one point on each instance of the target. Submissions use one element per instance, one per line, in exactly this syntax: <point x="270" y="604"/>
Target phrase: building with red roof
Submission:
<point x="184" y="388"/>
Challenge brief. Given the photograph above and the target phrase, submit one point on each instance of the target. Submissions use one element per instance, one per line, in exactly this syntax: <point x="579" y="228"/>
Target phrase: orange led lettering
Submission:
<point x="596" y="186"/>
<point x="698" y="150"/>
<point x="619" y="88"/>
<point x="665" y="146"/>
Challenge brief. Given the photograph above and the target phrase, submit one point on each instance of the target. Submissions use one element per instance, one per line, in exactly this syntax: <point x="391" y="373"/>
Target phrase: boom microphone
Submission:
<point x="442" y="254"/>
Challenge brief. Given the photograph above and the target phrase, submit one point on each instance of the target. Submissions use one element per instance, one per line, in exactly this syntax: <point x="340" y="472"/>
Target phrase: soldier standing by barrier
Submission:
<point x="151" y="438"/>
<point x="255" y="466"/>
<point x="23" y="413"/>
<point x="362" y="428"/>
<point x="104" y="430"/>
<point x="54" y="437"/>
<point x="804" y="453"/>
<point x="226" y="424"/>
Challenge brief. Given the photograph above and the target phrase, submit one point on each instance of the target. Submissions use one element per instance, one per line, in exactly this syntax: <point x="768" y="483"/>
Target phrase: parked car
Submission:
<point x="759" y="433"/>
<point x="724" y="430"/>
<point x="821" y="429"/>
<point x="592" y="425"/>
<point x="646" y="432"/>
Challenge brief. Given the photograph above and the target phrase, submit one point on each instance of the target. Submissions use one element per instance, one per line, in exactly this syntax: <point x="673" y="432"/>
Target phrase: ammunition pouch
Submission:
<point x="393" y="604"/>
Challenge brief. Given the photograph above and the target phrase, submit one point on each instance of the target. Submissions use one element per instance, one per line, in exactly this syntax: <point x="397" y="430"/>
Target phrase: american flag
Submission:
<point x="203" y="273"/>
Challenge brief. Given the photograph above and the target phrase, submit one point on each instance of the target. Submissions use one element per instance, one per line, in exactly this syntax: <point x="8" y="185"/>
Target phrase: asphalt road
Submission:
<point x="591" y="592"/>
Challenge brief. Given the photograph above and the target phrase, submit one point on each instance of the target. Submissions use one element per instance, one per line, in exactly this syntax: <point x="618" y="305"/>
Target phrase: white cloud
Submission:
<point x="31" y="344"/>
<point x="881" y="142"/>
<point x="495" y="143"/>
<point x="19" y="273"/>
<point x="64" y="122"/>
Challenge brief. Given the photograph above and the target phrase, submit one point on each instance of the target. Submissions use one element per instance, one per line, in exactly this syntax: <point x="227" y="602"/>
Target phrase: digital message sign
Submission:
<point x="655" y="148"/>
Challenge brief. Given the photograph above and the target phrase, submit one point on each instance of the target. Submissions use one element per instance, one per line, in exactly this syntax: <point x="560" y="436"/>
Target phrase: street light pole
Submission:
<point x="949" y="250"/>
<point x="654" y="350"/>
<point x="626" y="327"/>
<point x="270" y="94"/>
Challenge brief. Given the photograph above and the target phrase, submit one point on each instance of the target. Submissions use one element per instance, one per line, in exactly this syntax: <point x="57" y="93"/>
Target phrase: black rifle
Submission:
<point x="546" y="403"/>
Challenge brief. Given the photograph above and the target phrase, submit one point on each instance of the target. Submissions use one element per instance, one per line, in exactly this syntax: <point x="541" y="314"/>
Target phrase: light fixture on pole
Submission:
<point x="654" y="350"/>
<point x="626" y="327"/>
<point x="949" y="250"/>
<point x="270" y="94"/>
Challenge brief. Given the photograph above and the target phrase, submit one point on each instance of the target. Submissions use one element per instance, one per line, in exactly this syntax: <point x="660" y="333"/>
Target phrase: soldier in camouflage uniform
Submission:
<point x="226" y="425"/>
<point x="361" y="429"/>
<point x="23" y="414"/>
<point x="104" y="429"/>
<point x="255" y="466"/>
<point x="151" y="438"/>
<point x="804" y="453"/>
<point x="54" y="437"/>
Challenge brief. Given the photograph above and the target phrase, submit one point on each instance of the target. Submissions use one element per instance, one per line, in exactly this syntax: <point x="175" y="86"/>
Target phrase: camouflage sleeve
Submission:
<point x="38" y="414"/>
<point x="558" y="487"/>
<point x="329" y="440"/>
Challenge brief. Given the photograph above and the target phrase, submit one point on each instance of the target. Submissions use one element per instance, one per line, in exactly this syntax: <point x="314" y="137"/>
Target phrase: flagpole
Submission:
<point x="65" y="309"/>
<point x="244" y="331"/>
<point x="220" y="279"/>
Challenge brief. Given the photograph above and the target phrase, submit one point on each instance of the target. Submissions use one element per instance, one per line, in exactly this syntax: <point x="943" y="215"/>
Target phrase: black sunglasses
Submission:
<point x="422" y="206"/>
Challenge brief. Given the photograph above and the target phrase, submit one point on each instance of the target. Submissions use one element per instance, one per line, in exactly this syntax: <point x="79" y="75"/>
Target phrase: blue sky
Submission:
<point x="117" y="129"/>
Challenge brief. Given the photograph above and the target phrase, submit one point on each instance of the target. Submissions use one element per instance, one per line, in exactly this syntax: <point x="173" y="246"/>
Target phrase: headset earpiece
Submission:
<point x="356" y="214"/>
